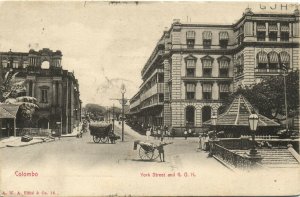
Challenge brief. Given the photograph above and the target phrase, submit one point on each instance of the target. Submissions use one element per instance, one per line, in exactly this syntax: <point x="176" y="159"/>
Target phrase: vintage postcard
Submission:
<point x="149" y="98"/>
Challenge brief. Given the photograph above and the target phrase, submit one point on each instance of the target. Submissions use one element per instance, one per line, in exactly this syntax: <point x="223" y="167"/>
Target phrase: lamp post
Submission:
<point x="214" y="123"/>
<point x="123" y="90"/>
<point x="253" y="122"/>
<point x="285" y="68"/>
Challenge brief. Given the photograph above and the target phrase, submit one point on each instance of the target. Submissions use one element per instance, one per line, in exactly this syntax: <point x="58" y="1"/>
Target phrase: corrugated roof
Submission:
<point x="237" y="115"/>
<point x="8" y="110"/>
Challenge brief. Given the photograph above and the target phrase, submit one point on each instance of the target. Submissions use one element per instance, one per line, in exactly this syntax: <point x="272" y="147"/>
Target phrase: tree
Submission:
<point x="10" y="91"/>
<point x="268" y="95"/>
<point x="95" y="111"/>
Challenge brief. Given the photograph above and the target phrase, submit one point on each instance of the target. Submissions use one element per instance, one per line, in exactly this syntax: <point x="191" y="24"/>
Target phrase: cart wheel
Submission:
<point x="155" y="154"/>
<point x="96" y="139"/>
<point x="104" y="139"/>
<point x="145" y="155"/>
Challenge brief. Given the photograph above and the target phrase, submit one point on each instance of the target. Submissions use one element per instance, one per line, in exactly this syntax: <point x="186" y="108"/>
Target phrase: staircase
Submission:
<point x="278" y="158"/>
<point x="275" y="158"/>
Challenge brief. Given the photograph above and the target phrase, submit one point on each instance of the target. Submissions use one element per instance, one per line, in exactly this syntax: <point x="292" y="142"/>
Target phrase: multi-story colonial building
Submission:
<point x="56" y="90"/>
<point x="195" y="66"/>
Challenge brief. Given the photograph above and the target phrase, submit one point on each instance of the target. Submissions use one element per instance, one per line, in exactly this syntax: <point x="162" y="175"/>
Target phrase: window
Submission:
<point x="161" y="97"/>
<point x="273" y="36"/>
<point x="160" y="78"/>
<point x="284" y="36"/>
<point x="224" y="91"/>
<point x="190" y="72"/>
<point x="261" y="36"/>
<point x="15" y="64"/>
<point x="262" y="61"/>
<point x="206" y="89"/>
<point x="44" y="96"/>
<point x="284" y="58"/>
<point x="273" y="61"/>
<point x="261" y="31"/>
<point x="224" y="37"/>
<point x="190" y="91"/>
<point x="207" y="66"/>
<point x="207" y="36"/>
<point x="284" y="32"/>
<point x="273" y="31"/>
<point x="190" y="39"/>
<point x="190" y="66"/>
<point x="223" y="66"/>
<point x="206" y="44"/>
<point x="5" y="64"/>
<point x="25" y="64"/>
<point x="190" y="44"/>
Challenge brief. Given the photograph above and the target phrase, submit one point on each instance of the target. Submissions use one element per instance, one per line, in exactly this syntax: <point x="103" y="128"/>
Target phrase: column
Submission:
<point x="267" y="31"/>
<point x="54" y="92"/>
<point x="278" y="32"/>
<point x="215" y="91"/>
<point x="254" y="32"/>
<point x="60" y="94"/>
<point x="33" y="90"/>
<point x="183" y="90"/>
<point x="198" y="91"/>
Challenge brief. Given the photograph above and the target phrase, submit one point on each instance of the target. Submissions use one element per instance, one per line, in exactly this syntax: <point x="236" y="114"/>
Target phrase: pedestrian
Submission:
<point x="158" y="133"/>
<point x="148" y="133"/>
<point x="160" y="149"/>
<point x="185" y="133"/>
<point x="190" y="132"/>
<point x="173" y="133"/>
<point x="111" y="136"/>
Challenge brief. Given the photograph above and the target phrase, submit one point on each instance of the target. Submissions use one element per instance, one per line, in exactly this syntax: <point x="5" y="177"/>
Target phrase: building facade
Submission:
<point x="194" y="67"/>
<point x="56" y="89"/>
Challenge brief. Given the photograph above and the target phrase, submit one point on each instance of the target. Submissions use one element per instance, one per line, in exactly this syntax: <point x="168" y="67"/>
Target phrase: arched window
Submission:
<point x="273" y="61"/>
<point x="45" y="65"/>
<point x="284" y="58"/>
<point x="190" y="116"/>
<point x="262" y="61"/>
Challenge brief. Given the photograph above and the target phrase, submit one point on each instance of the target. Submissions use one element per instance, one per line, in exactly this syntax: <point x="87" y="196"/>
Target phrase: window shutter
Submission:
<point x="207" y="87"/>
<point x="190" y="87"/>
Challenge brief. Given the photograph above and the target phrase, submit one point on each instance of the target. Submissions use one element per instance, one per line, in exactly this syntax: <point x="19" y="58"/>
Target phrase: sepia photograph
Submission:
<point x="149" y="98"/>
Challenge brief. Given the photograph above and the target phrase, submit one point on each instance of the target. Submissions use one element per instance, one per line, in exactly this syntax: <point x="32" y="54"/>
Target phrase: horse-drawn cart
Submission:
<point x="102" y="132"/>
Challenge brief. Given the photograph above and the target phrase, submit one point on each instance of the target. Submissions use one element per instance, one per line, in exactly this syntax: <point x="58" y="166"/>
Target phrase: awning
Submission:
<point x="284" y="28"/>
<point x="261" y="27"/>
<point x="273" y="27"/>
<point x="190" y="87"/>
<point x="190" y="64"/>
<point x="207" y="63"/>
<point x="207" y="35"/>
<point x="223" y="35"/>
<point x="262" y="57"/>
<point x="224" y="87"/>
<point x="207" y="87"/>
<point x="190" y="35"/>
<point x="224" y="64"/>
<point x="284" y="57"/>
<point x="273" y="57"/>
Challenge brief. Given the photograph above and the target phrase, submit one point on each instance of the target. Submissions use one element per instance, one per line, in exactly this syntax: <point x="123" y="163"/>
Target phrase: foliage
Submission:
<point x="10" y="90"/>
<point x="97" y="112"/>
<point x="268" y="95"/>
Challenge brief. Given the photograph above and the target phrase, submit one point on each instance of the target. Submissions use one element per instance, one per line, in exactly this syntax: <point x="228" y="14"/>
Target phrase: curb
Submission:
<point x="11" y="146"/>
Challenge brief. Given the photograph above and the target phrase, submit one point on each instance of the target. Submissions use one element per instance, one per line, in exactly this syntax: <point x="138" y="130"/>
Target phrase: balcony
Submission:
<point x="156" y="89"/>
<point x="135" y="103"/>
<point x="268" y="71"/>
<point x="154" y="56"/>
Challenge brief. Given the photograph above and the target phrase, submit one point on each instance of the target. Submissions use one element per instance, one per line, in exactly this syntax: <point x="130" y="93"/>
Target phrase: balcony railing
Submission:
<point x="268" y="70"/>
<point x="156" y="89"/>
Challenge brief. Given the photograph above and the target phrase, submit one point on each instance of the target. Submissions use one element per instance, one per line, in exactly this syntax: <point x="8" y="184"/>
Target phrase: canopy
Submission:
<point x="237" y="115"/>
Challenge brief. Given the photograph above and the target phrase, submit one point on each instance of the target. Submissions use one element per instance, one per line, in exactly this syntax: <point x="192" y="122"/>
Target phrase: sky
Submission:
<point x="106" y="44"/>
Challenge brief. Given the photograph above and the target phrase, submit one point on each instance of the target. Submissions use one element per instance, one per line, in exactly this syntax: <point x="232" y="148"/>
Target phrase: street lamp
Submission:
<point x="285" y="68"/>
<point x="123" y="90"/>
<point x="253" y="122"/>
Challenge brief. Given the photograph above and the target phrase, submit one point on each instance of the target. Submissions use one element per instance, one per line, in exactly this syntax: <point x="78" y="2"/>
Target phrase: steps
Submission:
<point x="275" y="158"/>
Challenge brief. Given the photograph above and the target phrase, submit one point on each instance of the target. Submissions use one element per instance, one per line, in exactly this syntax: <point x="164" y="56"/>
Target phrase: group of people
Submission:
<point x="159" y="132"/>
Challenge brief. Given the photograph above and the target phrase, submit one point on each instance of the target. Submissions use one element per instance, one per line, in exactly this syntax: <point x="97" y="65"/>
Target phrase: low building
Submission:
<point x="56" y="89"/>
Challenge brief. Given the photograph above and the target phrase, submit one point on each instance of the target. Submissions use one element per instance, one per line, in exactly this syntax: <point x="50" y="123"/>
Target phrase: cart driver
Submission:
<point x="160" y="149"/>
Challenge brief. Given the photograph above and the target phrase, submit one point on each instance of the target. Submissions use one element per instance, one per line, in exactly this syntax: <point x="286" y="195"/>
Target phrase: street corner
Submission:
<point x="16" y="141"/>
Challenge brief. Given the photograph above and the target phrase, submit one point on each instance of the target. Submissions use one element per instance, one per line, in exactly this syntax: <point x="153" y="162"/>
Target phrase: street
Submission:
<point x="78" y="166"/>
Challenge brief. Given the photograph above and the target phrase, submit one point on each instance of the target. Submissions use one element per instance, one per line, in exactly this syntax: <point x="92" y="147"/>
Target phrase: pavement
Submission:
<point x="16" y="141"/>
<point x="80" y="167"/>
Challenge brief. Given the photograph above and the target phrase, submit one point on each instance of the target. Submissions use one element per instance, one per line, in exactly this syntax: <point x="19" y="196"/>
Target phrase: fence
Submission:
<point x="264" y="137"/>
<point x="33" y="132"/>
<point x="230" y="157"/>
